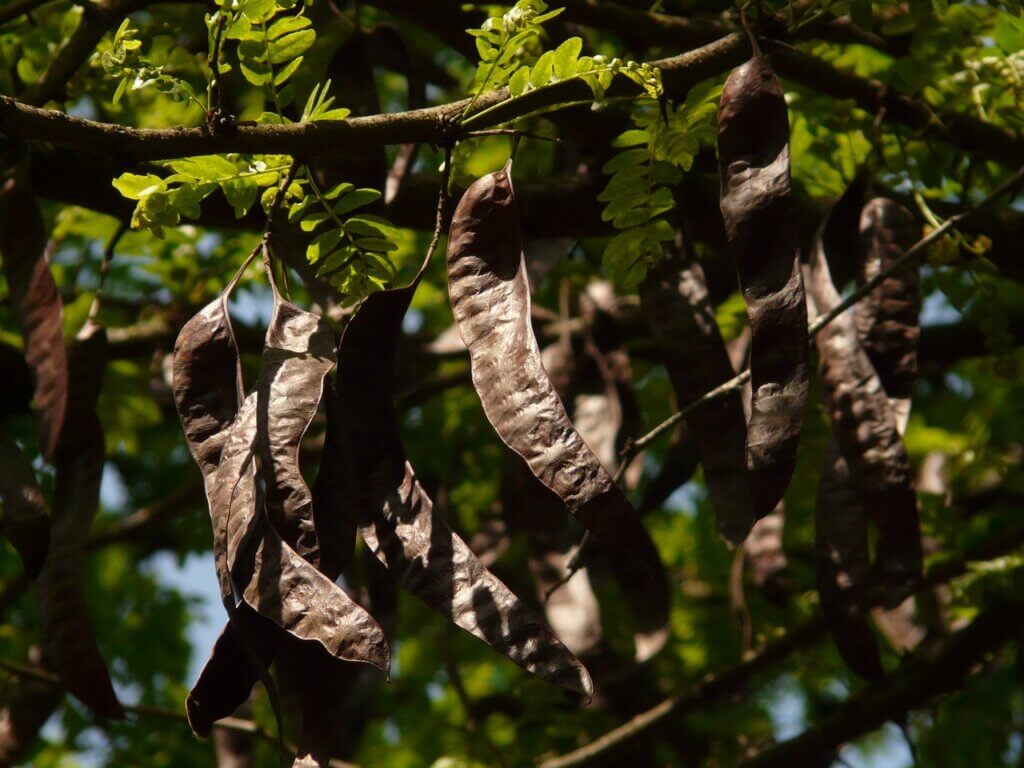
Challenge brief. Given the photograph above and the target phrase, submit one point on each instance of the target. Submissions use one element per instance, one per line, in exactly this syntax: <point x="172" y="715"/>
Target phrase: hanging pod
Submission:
<point x="365" y="478"/>
<point x="490" y="299"/>
<point x="68" y="639"/>
<point x="761" y="228"/>
<point x="675" y="303"/>
<point x="36" y="303"/>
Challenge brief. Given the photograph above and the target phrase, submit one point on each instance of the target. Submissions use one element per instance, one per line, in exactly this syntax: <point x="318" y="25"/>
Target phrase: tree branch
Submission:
<point x="718" y="685"/>
<point x="927" y="675"/>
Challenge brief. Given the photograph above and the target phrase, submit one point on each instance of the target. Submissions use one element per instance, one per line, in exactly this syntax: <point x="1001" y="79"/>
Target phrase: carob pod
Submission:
<point x="760" y="224"/>
<point x="253" y="563"/>
<point x="888" y="319"/>
<point x="25" y="705"/>
<point x="675" y="303"/>
<point x="490" y="299"/>
<point x="36" y="303"/>
<point x="843" y="567"/>
<point x="367" y="479"/>
<point x="865" y="427"/>
<point x="68" y="639"/>
<point x="26" y="522"/>
<point x="297" y="356"/>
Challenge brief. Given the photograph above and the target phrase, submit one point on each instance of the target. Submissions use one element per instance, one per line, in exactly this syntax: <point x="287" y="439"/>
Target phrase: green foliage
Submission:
<point x="653" y="157"/>
<point x="125" y="63"/>
<point x="164" y="201"/>
<point x="351" y="251"/>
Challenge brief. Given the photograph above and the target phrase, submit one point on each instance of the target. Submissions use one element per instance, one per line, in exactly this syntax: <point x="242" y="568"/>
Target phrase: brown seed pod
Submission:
<point x="297" y="356"/>
<point x="674" y="299"/>
<point x="888" y="319"/>
<point x="865" y="427"/>
<point x="68" y="638"/>
<point x="843" y="567"/>
<point x="372" y="483"/>
<point x="36" y="303"/>
<point x="760" y="224"/>
<point x="26" y="522"/>
<point x="207" y="386"/>
<point x="269" y="575"/>
<point x="765" y="555"/>
<point x="490" y="299"/>
<point x="25" y="706"/>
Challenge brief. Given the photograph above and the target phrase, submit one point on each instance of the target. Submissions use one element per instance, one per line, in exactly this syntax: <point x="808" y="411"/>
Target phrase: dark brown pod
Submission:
<point x="397" y="519"/>
<point x="675" y="303"/>
<point x="36" y="303"/>
<point x="865" y="427"/>
<point x="888" y="318"/>
<point x="25" y="706"/>
<point x="269" y="575"/>
<point x="490" y="299"/>
<point x="297" y="356"/>
<point x="26" y="520"/>
<point x="843" y="567"/>
<point x="765" y="555"/>
<point x="760" y="224"/>
<point x="68" y="639"/>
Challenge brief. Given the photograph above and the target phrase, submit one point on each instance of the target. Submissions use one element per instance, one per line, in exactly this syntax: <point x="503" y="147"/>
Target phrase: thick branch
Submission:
<point x="716" y="686"/>
<point x="922" y="679"/>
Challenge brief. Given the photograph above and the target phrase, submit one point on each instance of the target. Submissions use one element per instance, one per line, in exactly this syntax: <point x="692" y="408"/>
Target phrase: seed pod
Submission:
<point x="245" y="647"/>
<point x="26" y="521"/>
<point x="269" y="575"/>
<point x="298" y="354"/>
<point x="36" y="304"/>
<point x="760" y="224"/>
<point x="765" y="555"/>
<point x="888" y="318"/>
<point x="25" y="706"/>
<point x="68" y="638"/>
<point x="490" y="299"/>
<point x="864" y="424"/>
<point x="677" y="467"/>
<point x="841" y="550"/>
<point x="675" y="303"/>
<point x="397" y="519"/>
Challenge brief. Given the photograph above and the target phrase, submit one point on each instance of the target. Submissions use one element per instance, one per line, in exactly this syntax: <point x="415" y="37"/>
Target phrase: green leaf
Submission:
<point x="338" y="190"/>
<point x="322" y="245"/>
<point x="135" y="186"/>
<point x="285" y="25"/>
<point x="356" y="199"/>
<point x="241" y="193"/>
<point x="566" y="58"/>
<point x="205" y="167"/>
<point x="253" y="62"/>
<point x="314" y="220"/>
<point x="632" y="138"/>
<point x="626" y="159"/>
<point x="291" y="46"/>
<point x="519" y="82"/>
<point x="376" y="244"/>
<point x="540" y="75"/>
<point x="259" y="10"/>
<point x="287" y="71"/>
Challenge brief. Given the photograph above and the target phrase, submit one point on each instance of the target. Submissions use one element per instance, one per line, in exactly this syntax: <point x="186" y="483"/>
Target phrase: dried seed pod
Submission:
<point x="760" y="224"/>
<point x="675" y="303"/>
<point x="36" y="303"/>
<point x="677" y="467"/>
<point x="25" y="705"/>
<point x="245" y="647"/>
<point x="297" y="356"/>
<point x="80" y="456"/>
<point x="397" y="519"/>
<point x="764" y="554"/>
<point x="865" y="427"/>
<point x="888" y="318"/>
<point x="269" y="575"/>
<point x="843" y="567"/>
<point x="26" y="521"/>
<point x="490" y="299"/>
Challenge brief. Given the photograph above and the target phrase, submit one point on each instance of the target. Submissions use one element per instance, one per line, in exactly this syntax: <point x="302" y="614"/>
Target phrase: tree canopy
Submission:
<point x="669" y="351"/>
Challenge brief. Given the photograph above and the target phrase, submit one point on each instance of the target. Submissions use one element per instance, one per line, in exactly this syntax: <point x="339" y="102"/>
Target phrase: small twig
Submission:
<point x="512" y="132"/>
<point x="215" y="97"/>
<point x="108" y="256"/>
